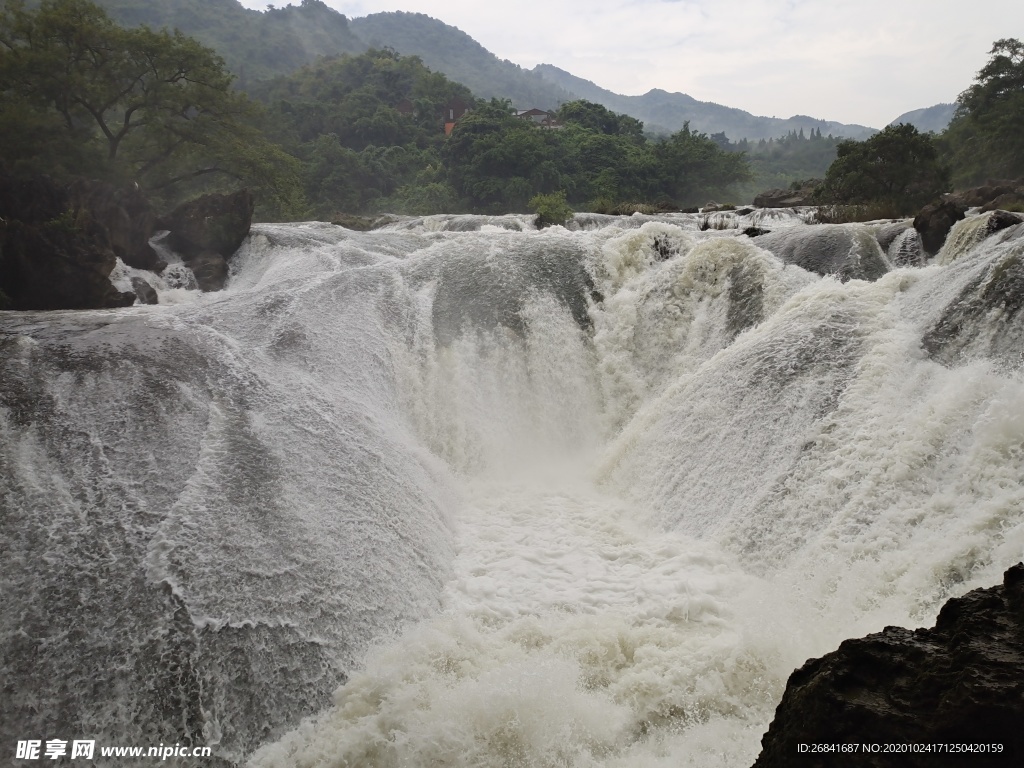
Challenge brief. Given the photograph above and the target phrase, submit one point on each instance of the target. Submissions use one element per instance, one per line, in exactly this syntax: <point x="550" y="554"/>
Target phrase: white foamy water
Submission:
<point x="461" y="493"/>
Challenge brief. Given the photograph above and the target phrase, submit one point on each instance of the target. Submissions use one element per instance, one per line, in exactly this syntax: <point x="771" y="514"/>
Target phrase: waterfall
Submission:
<point x="460" y="492"/>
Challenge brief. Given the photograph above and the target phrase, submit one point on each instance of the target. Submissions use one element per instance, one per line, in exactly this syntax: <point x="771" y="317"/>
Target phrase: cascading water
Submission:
<point x="517" y="498"/>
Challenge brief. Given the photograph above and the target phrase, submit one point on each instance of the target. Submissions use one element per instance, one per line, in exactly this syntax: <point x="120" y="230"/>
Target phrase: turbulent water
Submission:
<point x="462" y="493"/>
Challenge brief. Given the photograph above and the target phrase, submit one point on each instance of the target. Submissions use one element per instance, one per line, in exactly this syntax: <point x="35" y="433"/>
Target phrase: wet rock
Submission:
<point x="122" y="216"/>
<point x="213" y="222"/>
<point x="362" y="223"/>
<point x="145" y="292"/>
<point x="755" y="231"/>
<point x="53" y="255"/>
<point x="885" y="234"/>
<point x="1014" y="200"/>
<point x="961" y="682"/>
<point x="935" y="220"/>
<point x="847" y="251"/>
<point x="800" y="193"/>
<point x="210" y="269"/>
<point x="985" y="320"/>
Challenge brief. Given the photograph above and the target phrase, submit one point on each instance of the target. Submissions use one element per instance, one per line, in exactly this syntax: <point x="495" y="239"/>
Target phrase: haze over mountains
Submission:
<point x="258" y="45"/>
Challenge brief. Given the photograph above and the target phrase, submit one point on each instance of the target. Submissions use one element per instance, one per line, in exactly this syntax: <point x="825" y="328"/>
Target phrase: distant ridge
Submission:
<point x="934" y="118"/>
<point x="255" y="45"/>
<point x="262" y="44"/>
<point x="666" y="112"/>
<point x="447" y="49"/>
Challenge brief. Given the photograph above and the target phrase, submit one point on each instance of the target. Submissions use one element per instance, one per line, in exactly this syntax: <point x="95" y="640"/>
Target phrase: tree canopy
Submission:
<point x="85" y="96"/>
<point x="986" y="136"/>
<point x="898" y="166"/>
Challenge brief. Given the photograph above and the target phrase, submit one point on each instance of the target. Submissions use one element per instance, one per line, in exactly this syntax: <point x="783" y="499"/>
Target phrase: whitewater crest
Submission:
<point x="460" y="492"/>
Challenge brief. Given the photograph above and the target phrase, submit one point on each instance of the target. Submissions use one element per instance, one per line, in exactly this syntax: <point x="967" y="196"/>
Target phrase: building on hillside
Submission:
<point x="406" y="107"/>
<point x="454" y="110"/>
<point x="540" y="117"/>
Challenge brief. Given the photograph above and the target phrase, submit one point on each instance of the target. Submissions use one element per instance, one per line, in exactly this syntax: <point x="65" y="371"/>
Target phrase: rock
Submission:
<point x="885" y="234"/>
<point x="210" y="223"/>
<point x="755" y="231"/>
<point x="985" y="320"/>
<point x="145" y="292"/>
<point x="935" y="220"/>
<point x="847" y="251"/>
<point x="210" y="269"/>
<point x="800" y="193"/>
<point x="123" y="216"/>
<point x="52" y="256"/>
<point x="1013" y="199"/>
<point x="961" y="682"/>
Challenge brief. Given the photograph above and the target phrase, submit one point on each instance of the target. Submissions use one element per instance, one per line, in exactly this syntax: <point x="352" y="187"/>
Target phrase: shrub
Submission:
<point x="550" y="209"/>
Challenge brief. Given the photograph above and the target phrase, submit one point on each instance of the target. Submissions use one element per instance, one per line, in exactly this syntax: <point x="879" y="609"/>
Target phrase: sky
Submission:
<point x="864" y="62"/>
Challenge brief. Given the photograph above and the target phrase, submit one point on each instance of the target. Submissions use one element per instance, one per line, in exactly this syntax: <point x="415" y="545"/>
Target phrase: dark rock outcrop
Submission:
<point x="54" y="254"/>
<point x="207" y="231"/>
<point x="145" y="292"/>
<point x="961" y="683"/>
<point x="935" y="220"/>
<point x="123" y="217"/>
<point x="801" y="193"/>
<point x="210" y="223"/>
<point x="210" y="269"/>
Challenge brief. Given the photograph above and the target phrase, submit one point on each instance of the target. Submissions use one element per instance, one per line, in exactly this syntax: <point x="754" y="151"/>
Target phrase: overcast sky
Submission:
<point x="863" y="61"/>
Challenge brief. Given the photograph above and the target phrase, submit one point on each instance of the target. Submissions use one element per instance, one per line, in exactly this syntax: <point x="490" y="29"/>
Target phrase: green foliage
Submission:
<point x="498" y="162"/>
<point x="551" y="209"/>
<point x="898" y="166"/>
<point x="599" y="119"/>
<point x="256" y="45"/>
<point x="84" y="96"/>
<point x="779" y="163"/>
<point x="986" y="137"/>
<point x="341" y="117"/>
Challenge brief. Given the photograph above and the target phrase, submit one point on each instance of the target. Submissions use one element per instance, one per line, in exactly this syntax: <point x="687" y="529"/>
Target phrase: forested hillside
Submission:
<point x="447" y="49"/>
<point x="255" y="45"/>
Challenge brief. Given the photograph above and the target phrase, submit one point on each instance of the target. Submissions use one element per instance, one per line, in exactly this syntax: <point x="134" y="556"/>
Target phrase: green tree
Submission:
<point x="986" y="136"/>
<point x="600" y="119"/>
<point x="691" y="167"/>
<point x="128" y="104"/>
<point x="551" y="209"/>
<point x="898" y="167"/>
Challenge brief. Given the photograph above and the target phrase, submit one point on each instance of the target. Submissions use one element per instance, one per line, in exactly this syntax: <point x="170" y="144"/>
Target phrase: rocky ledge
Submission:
<point x="959" y="683"/>
<point x="60" y="242"/>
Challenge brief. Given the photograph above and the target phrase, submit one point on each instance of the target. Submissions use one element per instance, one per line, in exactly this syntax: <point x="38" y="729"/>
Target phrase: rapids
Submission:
<point x="463" y="493"/>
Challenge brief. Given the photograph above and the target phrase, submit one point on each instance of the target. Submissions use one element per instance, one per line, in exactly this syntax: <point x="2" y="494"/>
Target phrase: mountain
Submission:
<point x="256" y="45"/>
<point x="447" y="49"/>
<point x="666" y="112"/>
<point x="934" y="118"/>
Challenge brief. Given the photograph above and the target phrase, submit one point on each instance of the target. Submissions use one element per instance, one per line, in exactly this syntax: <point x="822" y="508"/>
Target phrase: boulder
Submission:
<point x="52" y="255"/>
<point x="959" y="683"/>
<point x="1013" y="199"/>
<point x="145" y="292"/>
<point x="799" y="193"/>
<point x="122" y="217"/>
<point x="210" y="270"/>
<point x="213" y="222"/>
<point x="935" y="220"/>
<point x="846" y="251"/>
